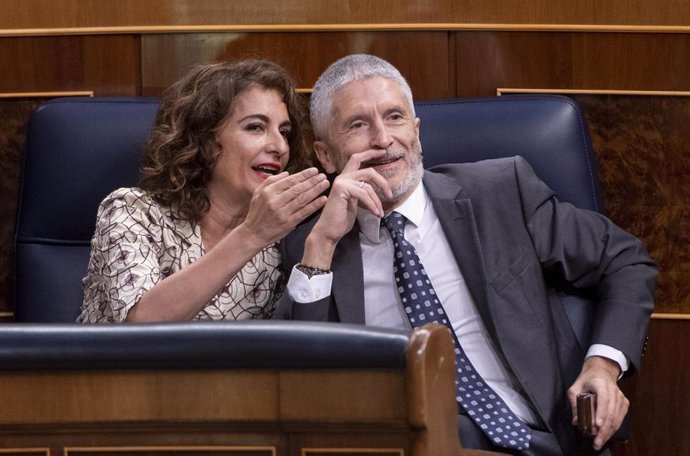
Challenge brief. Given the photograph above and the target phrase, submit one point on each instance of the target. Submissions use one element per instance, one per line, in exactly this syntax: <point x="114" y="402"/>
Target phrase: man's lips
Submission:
<point x="382" y="162"/>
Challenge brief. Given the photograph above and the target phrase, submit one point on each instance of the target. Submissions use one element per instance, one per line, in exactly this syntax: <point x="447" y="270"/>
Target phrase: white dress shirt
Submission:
<point x="382" y="303"/>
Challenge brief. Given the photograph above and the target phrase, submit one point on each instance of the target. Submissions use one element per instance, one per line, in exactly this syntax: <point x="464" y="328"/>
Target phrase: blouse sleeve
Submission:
<point x="124" y="256"/>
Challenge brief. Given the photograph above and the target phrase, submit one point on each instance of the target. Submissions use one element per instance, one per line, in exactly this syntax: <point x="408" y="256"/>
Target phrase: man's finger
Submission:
<point x="368" y="199"/>
<point x="373" y="178"/>
<point x="355" y="161"/>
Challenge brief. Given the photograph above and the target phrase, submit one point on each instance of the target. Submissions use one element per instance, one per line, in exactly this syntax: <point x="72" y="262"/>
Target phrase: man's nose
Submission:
<point x="380" y="139"/>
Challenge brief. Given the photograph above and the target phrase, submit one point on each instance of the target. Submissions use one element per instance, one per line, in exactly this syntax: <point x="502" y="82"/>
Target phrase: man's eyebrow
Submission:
<point x="398" y="108"/>
<point x="355" y="116"/>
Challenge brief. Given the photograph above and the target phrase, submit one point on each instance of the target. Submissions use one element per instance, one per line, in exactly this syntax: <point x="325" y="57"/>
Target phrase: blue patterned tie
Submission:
<point x="422" y="307"/>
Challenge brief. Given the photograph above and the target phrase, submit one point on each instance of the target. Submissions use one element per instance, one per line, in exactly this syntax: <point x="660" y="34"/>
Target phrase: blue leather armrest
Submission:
<point x="200" y="345"/>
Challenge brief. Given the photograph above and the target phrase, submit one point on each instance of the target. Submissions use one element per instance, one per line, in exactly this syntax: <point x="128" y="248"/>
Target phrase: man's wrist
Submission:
<point x="318" y="252"/>
<point x="606" y="351"/>
<point x="607" y="364"/>
<point x="311" y="271"/>
<point x="303" y="289"/>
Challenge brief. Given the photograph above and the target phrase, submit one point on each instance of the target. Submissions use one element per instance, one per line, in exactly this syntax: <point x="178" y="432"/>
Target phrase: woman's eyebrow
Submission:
<point x="262" y="117"/>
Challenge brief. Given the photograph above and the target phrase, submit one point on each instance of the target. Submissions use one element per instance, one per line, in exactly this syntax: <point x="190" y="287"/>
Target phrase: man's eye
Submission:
<point x="357" y="125"/>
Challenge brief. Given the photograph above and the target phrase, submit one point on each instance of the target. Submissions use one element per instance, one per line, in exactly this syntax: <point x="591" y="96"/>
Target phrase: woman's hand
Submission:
<point x="277" y="206"/>
<point x="281" y="202"/>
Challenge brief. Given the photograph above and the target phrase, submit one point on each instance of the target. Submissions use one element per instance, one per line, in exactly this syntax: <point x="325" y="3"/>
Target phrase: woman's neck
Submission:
<point x="218" y="222"/>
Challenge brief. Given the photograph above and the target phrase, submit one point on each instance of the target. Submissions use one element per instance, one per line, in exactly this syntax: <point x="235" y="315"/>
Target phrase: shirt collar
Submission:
<point x="412" y="208"/>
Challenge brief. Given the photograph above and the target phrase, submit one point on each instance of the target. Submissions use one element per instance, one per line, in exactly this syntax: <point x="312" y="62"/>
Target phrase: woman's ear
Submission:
<point x="323" y="153"/>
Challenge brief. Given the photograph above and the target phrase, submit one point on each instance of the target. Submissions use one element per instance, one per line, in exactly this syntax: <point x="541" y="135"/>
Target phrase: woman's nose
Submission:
<point x="279" y="143"/>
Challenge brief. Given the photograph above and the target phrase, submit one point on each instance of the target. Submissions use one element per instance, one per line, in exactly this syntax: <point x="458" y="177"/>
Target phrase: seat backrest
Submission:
<point x="79" y="150"/>
<point x="549" y="131"/>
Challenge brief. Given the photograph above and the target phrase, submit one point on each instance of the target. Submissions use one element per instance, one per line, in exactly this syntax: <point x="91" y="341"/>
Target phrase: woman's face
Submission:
<point x="254" y="145"/>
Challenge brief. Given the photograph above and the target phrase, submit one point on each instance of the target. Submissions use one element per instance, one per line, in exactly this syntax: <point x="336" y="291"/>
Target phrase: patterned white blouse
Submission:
<point x="138" y="243"/>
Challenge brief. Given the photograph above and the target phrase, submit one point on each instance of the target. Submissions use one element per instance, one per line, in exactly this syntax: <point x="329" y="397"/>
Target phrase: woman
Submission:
<point x="196" y="241"/>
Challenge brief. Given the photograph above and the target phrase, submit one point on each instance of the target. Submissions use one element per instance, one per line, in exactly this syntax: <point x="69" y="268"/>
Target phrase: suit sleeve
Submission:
<point x="586" y="250"/>
<point x="291" y="249"/>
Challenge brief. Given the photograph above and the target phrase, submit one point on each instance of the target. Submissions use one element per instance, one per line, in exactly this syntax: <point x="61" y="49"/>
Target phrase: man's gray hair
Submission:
<point x="344" y="71"/>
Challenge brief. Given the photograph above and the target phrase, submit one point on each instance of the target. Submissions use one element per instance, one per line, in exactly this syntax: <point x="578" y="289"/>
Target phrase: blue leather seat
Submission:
<point x="77" y="151"/>
<point x="80" y="149"/>
<point x="549" y="131"/>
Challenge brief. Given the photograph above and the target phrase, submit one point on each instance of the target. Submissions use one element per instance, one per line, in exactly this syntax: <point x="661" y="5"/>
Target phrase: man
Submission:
<point x="492" y="238"/>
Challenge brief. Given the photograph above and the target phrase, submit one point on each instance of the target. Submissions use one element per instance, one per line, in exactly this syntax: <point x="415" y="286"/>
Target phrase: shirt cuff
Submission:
<point x="611" y="353"/>
<point x="304" y="290"/>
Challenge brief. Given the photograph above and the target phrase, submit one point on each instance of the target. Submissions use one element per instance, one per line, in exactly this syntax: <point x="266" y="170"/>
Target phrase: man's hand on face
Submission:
<point x="354" y="187"/>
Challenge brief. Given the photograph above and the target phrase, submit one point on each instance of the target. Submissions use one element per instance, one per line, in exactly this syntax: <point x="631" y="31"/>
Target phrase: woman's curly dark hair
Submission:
<point x="183" y="148"/>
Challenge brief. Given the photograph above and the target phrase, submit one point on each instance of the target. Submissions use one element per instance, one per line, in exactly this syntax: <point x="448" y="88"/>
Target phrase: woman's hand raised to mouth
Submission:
<point x="281" y="202"/>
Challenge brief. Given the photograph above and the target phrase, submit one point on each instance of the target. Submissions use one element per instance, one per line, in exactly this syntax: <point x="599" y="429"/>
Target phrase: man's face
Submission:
<point x="374" y="114"/>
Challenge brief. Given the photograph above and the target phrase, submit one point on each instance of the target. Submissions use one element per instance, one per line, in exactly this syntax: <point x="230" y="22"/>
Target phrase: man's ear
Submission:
<point x="323" y="153"/>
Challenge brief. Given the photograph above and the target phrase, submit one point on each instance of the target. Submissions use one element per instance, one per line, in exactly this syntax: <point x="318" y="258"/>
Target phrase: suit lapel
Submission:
<point x="456" y="215"/>
<point x="458" y="222"/>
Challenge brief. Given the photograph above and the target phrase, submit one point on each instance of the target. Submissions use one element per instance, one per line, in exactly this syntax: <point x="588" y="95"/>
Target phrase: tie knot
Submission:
<point x="394" y="223"/>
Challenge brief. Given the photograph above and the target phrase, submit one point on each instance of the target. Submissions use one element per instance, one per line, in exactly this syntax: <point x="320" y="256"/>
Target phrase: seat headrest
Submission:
<point x="549" y="131"/>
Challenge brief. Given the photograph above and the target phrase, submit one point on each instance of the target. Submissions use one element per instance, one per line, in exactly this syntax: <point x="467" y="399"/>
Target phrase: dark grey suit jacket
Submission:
<point x="516" y="246"/>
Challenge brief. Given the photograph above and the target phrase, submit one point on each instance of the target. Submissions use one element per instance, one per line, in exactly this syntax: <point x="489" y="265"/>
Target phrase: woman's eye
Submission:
<point x="254" y="127"/>
<point x="285" y="132"/>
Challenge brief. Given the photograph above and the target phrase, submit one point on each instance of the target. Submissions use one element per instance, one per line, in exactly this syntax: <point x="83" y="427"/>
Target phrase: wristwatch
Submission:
<point x="311" y="272"/>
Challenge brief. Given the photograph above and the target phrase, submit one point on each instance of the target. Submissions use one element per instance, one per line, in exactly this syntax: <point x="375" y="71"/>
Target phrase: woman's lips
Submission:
<point x="265" y="170"/>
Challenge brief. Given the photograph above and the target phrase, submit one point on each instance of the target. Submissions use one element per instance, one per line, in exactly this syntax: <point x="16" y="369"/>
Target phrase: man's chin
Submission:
<point x="401" y="190"/>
